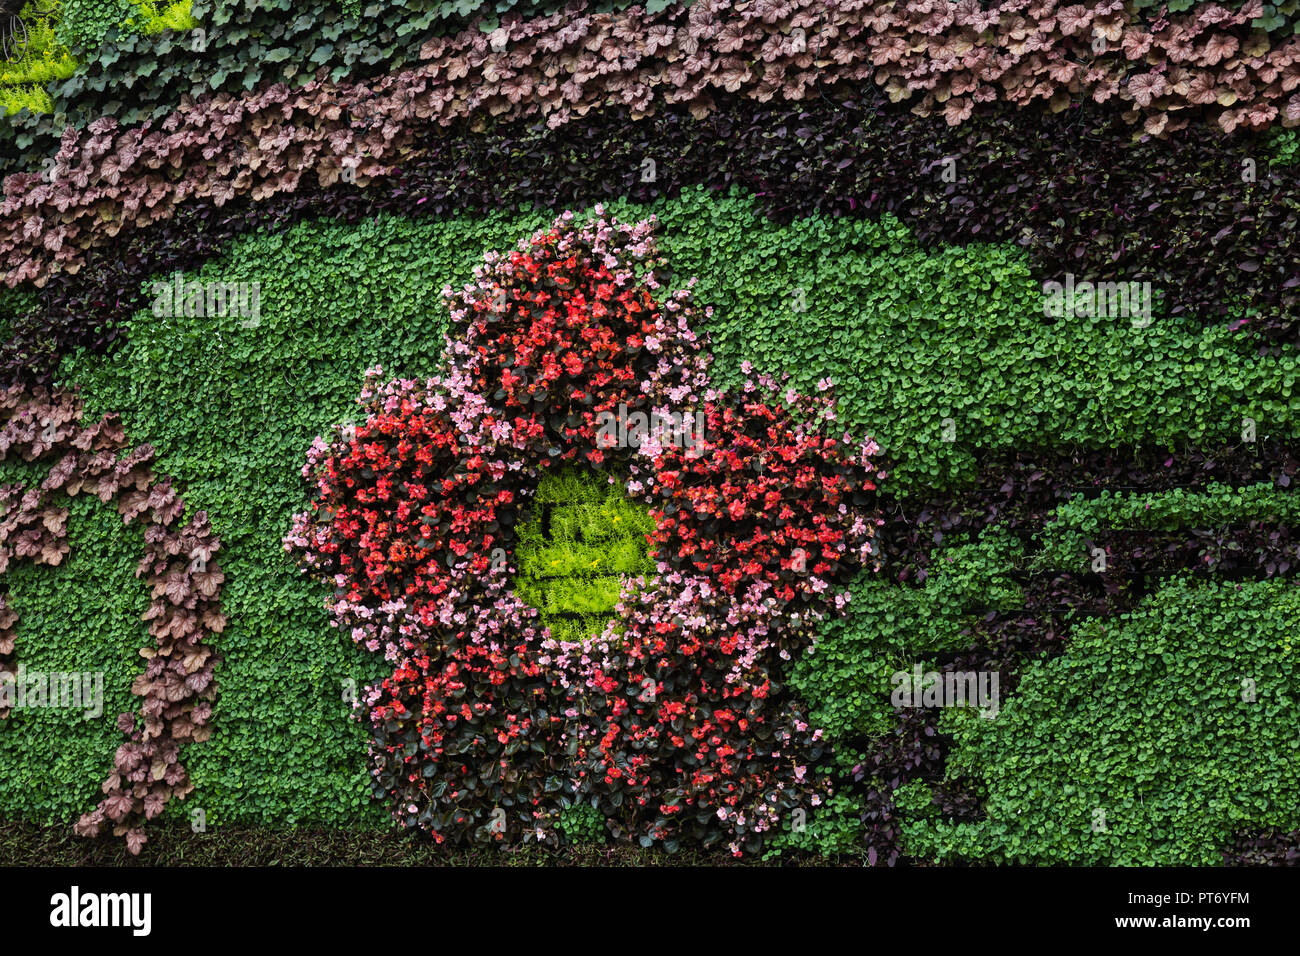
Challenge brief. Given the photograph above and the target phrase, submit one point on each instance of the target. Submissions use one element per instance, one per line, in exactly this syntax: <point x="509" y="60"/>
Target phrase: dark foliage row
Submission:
<point x="1018" y="492"/>
<point x="1265" y="849"/>
<point x="174" y="844"/>
<point x="1071" y="188"/>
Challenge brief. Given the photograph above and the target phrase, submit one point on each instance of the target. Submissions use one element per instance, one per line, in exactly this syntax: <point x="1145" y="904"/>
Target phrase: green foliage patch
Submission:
<point x="583" y="824"/>
<point x="887" y="628"/>
<point x="1283" y="146"/>
<point x="23" y="80"/>
<point x="82" y="25"/>
<point x="1150" y="741"/>
<point x="83" y="617"/>
<point x="60" y="30"/>
<point x="939" y="353"/>
<point x="1063" y="542"/>
<point x="1165" y="510"/>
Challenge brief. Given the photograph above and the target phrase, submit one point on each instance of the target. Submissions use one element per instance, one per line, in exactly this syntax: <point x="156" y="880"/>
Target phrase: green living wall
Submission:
<point x="939" y="353"/>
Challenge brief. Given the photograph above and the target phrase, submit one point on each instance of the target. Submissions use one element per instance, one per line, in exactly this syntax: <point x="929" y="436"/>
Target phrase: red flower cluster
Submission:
<point x="464" y="739"/>
<point x="694" y="733"/>
<point x="766" y="501"/>
<point x="408" y="518"/>
<point x="553" y="338"/>
<point x="399" y="494"/>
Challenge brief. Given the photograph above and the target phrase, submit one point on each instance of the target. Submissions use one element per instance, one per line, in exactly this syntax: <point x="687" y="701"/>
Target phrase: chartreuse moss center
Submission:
<point x="582" y="539"/>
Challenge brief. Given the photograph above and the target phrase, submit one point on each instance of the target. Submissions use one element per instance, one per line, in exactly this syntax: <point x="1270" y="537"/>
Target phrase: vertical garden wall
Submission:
<point x="766" y="431"/>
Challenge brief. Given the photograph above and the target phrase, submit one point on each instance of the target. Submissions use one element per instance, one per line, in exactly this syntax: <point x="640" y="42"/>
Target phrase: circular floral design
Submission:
<point x="675" y="722"/>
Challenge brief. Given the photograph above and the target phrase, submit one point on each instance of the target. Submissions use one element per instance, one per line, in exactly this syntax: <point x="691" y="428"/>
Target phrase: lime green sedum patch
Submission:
<point x="584" y="537"/>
